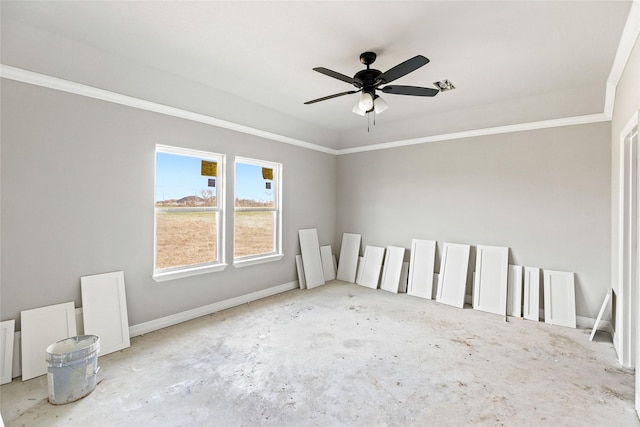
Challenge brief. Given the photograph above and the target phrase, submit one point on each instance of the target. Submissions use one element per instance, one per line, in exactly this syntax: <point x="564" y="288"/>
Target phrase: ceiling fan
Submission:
<point x="369" y="80"/>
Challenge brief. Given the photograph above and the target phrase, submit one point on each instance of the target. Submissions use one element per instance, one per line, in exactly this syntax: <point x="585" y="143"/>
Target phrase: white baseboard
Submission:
<point x="174" y="319"/>
<point x="581" y="321"/>
<point x="163" y="322"/>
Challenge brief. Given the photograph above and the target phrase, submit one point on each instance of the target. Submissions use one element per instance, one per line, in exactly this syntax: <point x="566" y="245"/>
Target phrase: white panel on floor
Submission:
<point x="404" y="276"/>
<point x="454" y="266"/>
<point x="104" y="310"/>
<point x="7" y="332"/>
<point x="42" y="327"/>
<point x="349" y="254"/>
<point x="327" y="263"/>
<point x="559" y="298"/>
<point x="371" y="266"/>
<point x="531" y="297"/>
<point x="600" y="314"/>
<point x="514" y="294"/>
<point x="421" y="268"/>
<point x="360" y="265"/>
<point x="300" y="269"/>
<point x="310" y="249"/>
<point x="392" y="269"/>
<point x="490" y="284"/>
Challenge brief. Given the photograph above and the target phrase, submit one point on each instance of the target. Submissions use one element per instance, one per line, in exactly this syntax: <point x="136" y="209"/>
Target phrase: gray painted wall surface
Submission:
<point x="543" y="193"/>
<point x="77" y="186"/>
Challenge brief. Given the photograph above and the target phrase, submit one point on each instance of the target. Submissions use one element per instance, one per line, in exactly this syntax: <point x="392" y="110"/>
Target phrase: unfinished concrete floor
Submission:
<point x="345" y="355"/>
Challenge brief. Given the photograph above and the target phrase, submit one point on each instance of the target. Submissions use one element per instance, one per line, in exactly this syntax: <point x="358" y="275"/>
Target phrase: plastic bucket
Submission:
<point x="72" y="368"/>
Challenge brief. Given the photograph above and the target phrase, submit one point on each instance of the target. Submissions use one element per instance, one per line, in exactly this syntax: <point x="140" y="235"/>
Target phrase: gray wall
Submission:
<point x="77" y="186"/>
<point x="544" y="193"/>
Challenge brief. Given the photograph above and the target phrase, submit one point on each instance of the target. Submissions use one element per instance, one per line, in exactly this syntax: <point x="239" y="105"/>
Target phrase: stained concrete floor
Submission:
<point x="344" y="355"/>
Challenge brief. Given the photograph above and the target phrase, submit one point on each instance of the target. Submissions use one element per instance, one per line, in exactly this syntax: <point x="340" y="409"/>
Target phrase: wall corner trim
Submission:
<point x="174" y="319"/>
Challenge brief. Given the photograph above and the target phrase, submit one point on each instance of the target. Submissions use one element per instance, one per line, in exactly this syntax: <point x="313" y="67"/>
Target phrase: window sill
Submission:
<point x="259" y="260"/>
<point x="188" y="272"/>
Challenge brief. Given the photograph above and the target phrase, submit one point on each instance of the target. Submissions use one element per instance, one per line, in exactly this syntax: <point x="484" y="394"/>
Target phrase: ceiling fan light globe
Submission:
<point x="366" y="101"/>
<point x="380" y="105"/>
<point x="359" y="111"/>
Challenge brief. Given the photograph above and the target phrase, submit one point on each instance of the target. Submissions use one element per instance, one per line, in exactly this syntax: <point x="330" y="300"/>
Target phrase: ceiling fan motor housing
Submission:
<point x="368" y="78"/>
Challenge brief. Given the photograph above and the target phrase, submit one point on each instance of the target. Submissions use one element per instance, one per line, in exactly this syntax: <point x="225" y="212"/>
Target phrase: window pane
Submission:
<point x="254" y="231"/>
<point x="180" y="181"/>
<point x="252" y="188"/>
<point x="185" y="237"/>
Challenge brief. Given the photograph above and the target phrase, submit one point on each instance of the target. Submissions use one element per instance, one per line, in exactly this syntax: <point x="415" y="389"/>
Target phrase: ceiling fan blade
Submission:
<point x="403" y="69"/>
<point x="410" y="90"/>
<point x="324" y="98"/>
<point x="339" y="76"/>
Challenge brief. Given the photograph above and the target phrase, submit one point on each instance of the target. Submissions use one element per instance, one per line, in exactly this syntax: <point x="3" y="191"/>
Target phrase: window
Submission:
<point x="257" y="220"/>
<point x="189" y="217"/>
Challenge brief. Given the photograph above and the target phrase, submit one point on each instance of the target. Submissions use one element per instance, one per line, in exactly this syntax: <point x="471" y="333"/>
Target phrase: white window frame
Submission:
<point x="277" y="254"/>
<point x="164" y="274"/>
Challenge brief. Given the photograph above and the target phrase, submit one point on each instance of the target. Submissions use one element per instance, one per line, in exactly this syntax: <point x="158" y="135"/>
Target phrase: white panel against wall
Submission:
<point x="42" y="327"/>
<point x="17" y="355"/>
<point x="559" y="298"/>
<point x="310" y="249"/>
<point x="300" y="269"/>
<point x="7" y="332"/>
<point x="349" y="254"/>
<point x="327" y="263"/>
<point x="421" y="268"/>
<point x="371" y="266"/>
<point x="514" y="294"/>
<point x="104" y="310"/>
<point x="453" y="274"/>
<point x="490" y="284"/>
<point x="392" y="269"/>
<point x="600" y="314"/>
<point x="531" y="297"/>
<point x="404" y="276"/>
<point x="360" y="265"/>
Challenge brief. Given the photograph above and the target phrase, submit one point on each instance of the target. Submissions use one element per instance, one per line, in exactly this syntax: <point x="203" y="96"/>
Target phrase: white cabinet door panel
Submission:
<point x="371" y="265"/>
<point x="349" y="254"/>
<point x="531" y="297"/>
<point x="392" y="269"/>
<point x="421" y="268"/>
<point x="310" y="249"/>
<point x="490" y="284"/>
<point x="559" y="298"/>
<point x="454" y="266"/>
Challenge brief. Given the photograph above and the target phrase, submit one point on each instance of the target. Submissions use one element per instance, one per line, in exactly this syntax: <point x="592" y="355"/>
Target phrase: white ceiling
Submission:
<point x="511" y="61"/>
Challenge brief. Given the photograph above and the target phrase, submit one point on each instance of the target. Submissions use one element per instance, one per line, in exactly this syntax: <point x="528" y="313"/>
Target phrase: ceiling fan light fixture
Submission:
<point x="444" y="85"/>
<point x="379" y="105"/>
<point x="366" y="101"/>
<point x="359" y="111"/>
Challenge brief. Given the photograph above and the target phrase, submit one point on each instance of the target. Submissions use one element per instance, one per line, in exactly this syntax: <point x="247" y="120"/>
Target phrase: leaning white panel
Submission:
<point x="360" y="265"/>
<point x="371" y="266"/>
<point x="559" y="298"/>
<point x="42" y="327"/>
<point x="7" y="332"/>
<point x="310" y="249"/>
<point x="600" y="314"/>
<point x="514" y="294"/>
<point x="349" y="254"/>
<point x="452" y="281"/>
<point x="490" y="284"/>
<point x="104" y="310"/>
<point x="531" y="297"/>
<point x="327" y="262"/>
<point x="300" y="269"/>
<point x="392" y="269"/>
<point x="403" y="278"/>
<point x="421" y="268"/>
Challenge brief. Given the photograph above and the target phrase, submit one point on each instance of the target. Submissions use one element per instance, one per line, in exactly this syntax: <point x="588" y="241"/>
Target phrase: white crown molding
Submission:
<point x="566" y="121"/>
<point x="628" y="38"/>
<point x="630" y="34"/>
<point x="25" y="76"/>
